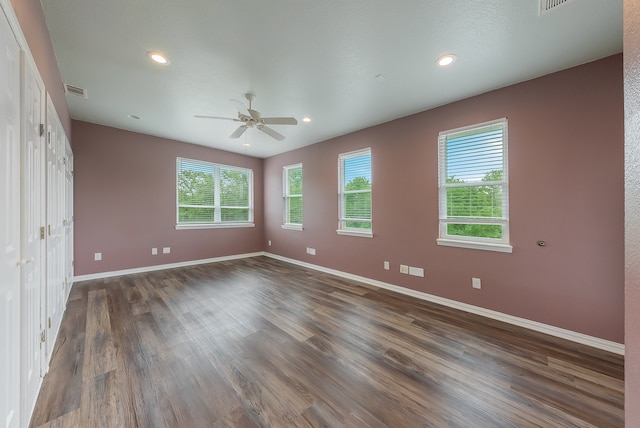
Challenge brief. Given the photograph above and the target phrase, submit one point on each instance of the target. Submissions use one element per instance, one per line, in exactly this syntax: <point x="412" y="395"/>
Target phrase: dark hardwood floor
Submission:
<point x="262" y="343"/>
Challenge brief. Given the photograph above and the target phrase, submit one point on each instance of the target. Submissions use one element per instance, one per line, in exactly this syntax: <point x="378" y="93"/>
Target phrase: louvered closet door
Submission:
<point x="10" y="257"/>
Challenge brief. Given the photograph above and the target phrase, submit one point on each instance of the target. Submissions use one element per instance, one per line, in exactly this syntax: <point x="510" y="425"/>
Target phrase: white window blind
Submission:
<point x="292" y="196"/>
<point x="355" y="186"/>
<point x="473" y="184"/>
<point x="209" y="193"/>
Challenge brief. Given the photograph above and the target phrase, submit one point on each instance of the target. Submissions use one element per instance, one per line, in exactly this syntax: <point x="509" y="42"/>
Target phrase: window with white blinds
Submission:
<point x="292" y="197"/>
<point x="355" y="185"/>
<point x="213" y="195"/>
<point x="473" y="187"/>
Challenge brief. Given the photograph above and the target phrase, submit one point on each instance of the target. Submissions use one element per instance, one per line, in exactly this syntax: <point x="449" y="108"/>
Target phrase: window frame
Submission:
<point x="491" y="244"/>
<point x="217" y="222"/>
<point x="286" y="198"/>
<point x="343" y="229"/>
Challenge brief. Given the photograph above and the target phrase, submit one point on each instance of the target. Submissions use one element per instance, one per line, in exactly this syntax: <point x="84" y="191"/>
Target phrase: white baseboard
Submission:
<point x="595" y="342"/>
<point x="101" y="275"/>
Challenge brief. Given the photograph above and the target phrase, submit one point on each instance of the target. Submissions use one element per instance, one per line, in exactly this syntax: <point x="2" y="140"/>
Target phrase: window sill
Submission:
<point x="367" y="234"/>
<point x="488" y="246"/>
<point x="289" y="226"/>
<point x="212" y="225"/>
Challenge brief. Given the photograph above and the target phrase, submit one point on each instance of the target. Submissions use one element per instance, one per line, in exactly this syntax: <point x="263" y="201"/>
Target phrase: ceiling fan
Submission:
<point x="252" y="119"/>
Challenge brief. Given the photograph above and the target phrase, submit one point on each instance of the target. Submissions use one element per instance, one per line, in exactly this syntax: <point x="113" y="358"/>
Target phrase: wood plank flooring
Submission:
<point x="262" y="343"/>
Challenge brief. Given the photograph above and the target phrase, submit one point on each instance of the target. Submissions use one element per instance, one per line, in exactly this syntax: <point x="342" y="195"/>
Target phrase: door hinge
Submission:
<point x="42" y="233"/>
<point x="49" y="229"/>
<point x="41" y="129"/>
<point x="73" y="262"/>
<point x="49" y="322"/>
<point x="43" y="337"/>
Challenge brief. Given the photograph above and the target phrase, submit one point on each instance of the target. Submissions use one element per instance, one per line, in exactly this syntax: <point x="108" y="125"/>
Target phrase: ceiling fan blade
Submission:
<point x="255" y="114"/>
<point x="199" y="116"/>
<point x="279" y="120"/>
<point x="238" y="132"/>
<point x="270" y="132"/>
<point x="242" y="109"/>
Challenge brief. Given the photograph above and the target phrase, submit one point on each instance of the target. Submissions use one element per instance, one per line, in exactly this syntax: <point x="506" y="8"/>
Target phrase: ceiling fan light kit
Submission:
<point x="253" y="119"/>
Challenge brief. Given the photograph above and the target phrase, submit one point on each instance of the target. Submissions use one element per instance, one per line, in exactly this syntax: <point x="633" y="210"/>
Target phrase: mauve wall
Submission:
<point x="34" y="28"/>
<point x="125" y="202"/>
<point x="566" y="188"/>
<point x="632" y="220"/>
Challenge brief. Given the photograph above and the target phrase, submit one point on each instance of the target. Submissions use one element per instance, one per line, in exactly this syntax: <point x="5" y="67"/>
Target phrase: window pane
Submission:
<point x="476" y="155"/>
<point x="475" y="230"/>
<point x="195" y="215"/>
<point x="474" y="201"/>
<point x="357" y="172"/>
<point x="358" y="205"/>
<point x="234" y="214"/>
<point x="358" y="225"/>
<point x="295" y="210"/>
<point x="234" y="188"/>
<point x="295" y="181"/>
<point x="195" y="184"/>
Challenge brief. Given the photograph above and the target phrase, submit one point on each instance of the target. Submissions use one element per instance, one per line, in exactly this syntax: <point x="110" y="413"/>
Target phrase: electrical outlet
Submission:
<point x="386" y="265"/>
<point x="475" y="283"/>
<point x="97" y="257"/>
<point x="416" y="271"/>
<point x="269" y="242"/>
<point x="154" y="251"/>
<point x="312" y="251"/>
<point x="166" y="250"/>
<point x="404" y="269"/>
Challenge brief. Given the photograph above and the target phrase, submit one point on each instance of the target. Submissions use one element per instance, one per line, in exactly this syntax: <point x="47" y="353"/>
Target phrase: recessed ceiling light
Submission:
<point x="306" y="119"/>
<point x="447" y="59"/>
<point x="133" y="116"/>
<point x="247" y="145"/>
<point x="158" y="57"/>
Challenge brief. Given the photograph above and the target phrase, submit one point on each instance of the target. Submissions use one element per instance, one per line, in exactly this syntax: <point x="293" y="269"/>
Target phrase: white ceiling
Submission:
<point x="308" y="58"/>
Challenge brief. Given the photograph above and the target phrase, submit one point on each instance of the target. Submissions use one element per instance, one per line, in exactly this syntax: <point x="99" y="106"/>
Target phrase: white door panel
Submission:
<point x="32" y="236"/>
<point x="55" y="202"/>
<point x="10" y="257"/>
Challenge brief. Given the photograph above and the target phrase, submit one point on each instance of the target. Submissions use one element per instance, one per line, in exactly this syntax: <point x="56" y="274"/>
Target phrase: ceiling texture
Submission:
<point x="346" y="64"/>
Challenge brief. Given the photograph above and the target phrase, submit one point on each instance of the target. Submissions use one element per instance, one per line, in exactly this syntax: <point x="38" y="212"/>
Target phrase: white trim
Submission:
<point x="352" y="232"/>
<point x="503" y="248"/>
<point x="187" y="226"/>
<point x="144" y="269"/>
<point x="292" y="226"/>
<point x="595" y="342"/>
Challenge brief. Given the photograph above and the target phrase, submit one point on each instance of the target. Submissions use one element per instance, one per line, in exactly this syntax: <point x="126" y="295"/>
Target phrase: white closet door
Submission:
<point x="33" y="237"/>
<point x="68" y="221"/>
<point x="55" y="230"/>
<point x="10" y="257"/>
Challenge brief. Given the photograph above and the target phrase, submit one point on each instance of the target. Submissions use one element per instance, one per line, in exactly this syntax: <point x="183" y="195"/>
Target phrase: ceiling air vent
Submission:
<point x="548" y="5"/>
<point x="75" y="91"/>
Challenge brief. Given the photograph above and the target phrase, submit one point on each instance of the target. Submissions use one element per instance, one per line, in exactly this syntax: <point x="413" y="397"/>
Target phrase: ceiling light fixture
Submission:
<point x="247" y="145"/>
<point x="158" y="57"/>
<point x="306" y="119"/>
<point x="447" y="59"/>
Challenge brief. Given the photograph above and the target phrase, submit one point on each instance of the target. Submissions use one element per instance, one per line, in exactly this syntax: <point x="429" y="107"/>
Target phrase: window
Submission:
<point x="212" y="195"/>
<point x="292" y="197"/>
<point x="473" y="187"/>
<point x="355" y="193"/>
